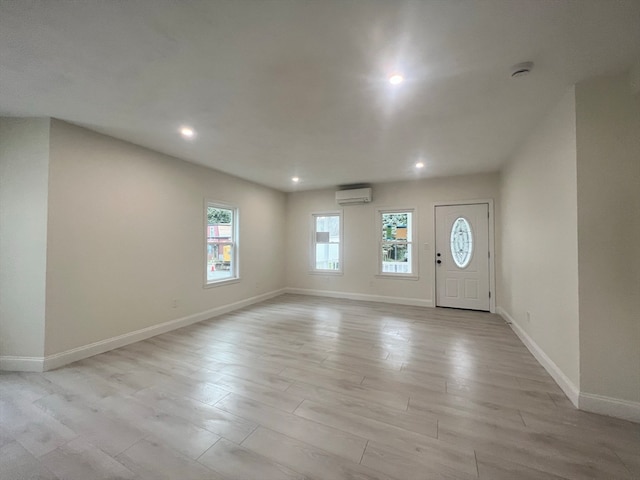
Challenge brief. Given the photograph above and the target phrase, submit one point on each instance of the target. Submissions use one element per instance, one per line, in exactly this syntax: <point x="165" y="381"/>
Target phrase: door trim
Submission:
<point x="492" y="253"/>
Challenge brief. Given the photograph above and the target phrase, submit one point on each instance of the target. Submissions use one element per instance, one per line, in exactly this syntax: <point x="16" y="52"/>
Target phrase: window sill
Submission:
<point x="397" y="276"/>
<point x="325" y="272"/>
<point x="220" y="283"/>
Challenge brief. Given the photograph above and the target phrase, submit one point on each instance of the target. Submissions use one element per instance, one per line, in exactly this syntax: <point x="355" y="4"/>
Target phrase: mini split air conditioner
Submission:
<point x="353" y="197"/>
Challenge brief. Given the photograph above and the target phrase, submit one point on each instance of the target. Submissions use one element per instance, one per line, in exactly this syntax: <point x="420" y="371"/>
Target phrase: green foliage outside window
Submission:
<point x="217" y="216"/>
<point x="390" y="222"/>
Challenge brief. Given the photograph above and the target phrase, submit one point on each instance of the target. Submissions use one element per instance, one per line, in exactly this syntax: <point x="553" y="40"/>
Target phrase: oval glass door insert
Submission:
<point x="461" y="242"/>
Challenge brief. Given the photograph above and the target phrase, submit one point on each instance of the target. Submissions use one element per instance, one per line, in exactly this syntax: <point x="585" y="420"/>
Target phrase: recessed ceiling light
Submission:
<point x="396" y="79"/>
<point x="187" y="132"/>
<point x="295" y="179"/>
<point x="419" y="165"/>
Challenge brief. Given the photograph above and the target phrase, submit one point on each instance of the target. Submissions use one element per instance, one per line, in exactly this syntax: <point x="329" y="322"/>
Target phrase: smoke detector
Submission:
<point x="521" y="69"/>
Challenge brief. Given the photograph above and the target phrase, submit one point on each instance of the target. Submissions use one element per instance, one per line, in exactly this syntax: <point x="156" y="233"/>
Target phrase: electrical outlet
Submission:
<point x="528" y="317"/>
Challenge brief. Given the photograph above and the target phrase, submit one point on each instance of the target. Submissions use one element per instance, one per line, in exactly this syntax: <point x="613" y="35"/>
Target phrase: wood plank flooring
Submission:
<point x="307" y="388"/>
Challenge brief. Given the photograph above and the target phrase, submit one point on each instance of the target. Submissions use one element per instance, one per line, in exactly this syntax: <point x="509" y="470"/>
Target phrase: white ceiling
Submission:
<point x="281" y="88"/>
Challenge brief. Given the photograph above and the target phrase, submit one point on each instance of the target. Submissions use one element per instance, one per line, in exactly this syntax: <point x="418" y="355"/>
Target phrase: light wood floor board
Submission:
<point x="311" y="388"/>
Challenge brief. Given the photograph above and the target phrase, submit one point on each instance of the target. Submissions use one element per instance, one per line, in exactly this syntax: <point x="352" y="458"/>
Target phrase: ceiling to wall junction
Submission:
<point x="299" y="88"/>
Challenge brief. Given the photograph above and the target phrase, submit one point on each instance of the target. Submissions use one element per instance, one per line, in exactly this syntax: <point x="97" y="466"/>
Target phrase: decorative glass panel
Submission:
<point x="461" y="242"/>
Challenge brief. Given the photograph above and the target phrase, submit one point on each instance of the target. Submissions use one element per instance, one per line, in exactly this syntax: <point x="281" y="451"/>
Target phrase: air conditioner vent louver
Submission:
<point x="356" y="196"/>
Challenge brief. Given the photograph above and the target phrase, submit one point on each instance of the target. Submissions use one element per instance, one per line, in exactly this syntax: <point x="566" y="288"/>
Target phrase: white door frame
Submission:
<point x="492" y="255"/>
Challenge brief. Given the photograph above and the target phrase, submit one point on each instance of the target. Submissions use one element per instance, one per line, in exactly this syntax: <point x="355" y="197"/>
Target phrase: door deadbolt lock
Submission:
<point x="438" y="262"/>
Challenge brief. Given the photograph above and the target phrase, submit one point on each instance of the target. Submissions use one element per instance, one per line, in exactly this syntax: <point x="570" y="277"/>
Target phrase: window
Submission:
<point x="327" y="243"/>
<point x="222" y="243"/>
<point x="396" y="242"/>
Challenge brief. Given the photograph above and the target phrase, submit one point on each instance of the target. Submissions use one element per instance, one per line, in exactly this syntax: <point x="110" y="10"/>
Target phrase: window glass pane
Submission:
<point x="220" y="221"/>
<point x="327" y="256"/>
<point x="396" y="258"/>
<point x="219" y="262"/>
<point x="327" y="229"/>
<point x="461" y="242"/>
<point x="396" y="226"/>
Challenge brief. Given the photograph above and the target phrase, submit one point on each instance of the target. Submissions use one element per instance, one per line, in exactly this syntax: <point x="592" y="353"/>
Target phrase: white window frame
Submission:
<point x="412" y="241"/>
<point x="235" y="243"/>
<point x="312" y="251"/>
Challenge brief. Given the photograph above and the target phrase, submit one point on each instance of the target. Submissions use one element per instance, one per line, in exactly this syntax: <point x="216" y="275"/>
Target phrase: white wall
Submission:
<point x="608" y="133"/>
<point x="361" y="235"/>
<point x="126" y="238"/>
<point x="539" y="263"/>
<point x="24" y="165"/>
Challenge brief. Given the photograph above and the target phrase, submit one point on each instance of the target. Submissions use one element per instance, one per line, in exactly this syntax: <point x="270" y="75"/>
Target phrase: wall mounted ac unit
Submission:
<point x="353" y="197"/>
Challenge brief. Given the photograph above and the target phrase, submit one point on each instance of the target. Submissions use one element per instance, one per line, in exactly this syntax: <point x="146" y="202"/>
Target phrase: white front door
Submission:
<point x="462" y="256"/>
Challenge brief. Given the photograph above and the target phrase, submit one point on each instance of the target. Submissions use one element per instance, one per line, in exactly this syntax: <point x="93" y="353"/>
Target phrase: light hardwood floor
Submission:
<point x="300" y="387"/>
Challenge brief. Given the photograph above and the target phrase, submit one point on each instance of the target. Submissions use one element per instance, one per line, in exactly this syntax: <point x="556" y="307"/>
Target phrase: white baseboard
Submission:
<point x="589" y="402"/>
<point x="21" y="364"/>
<point x="612" y="407"/>
<point x="417" y="302"/>
<point x="39" y="364"/>
<point x="59" y="359"/>
<point x="567" y="386"/>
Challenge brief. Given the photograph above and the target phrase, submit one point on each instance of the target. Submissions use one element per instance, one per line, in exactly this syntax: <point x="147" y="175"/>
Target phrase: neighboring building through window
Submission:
<point x="396" y="242"/>
<point x="222" y="243"/>
<point x="327" y="243"/>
